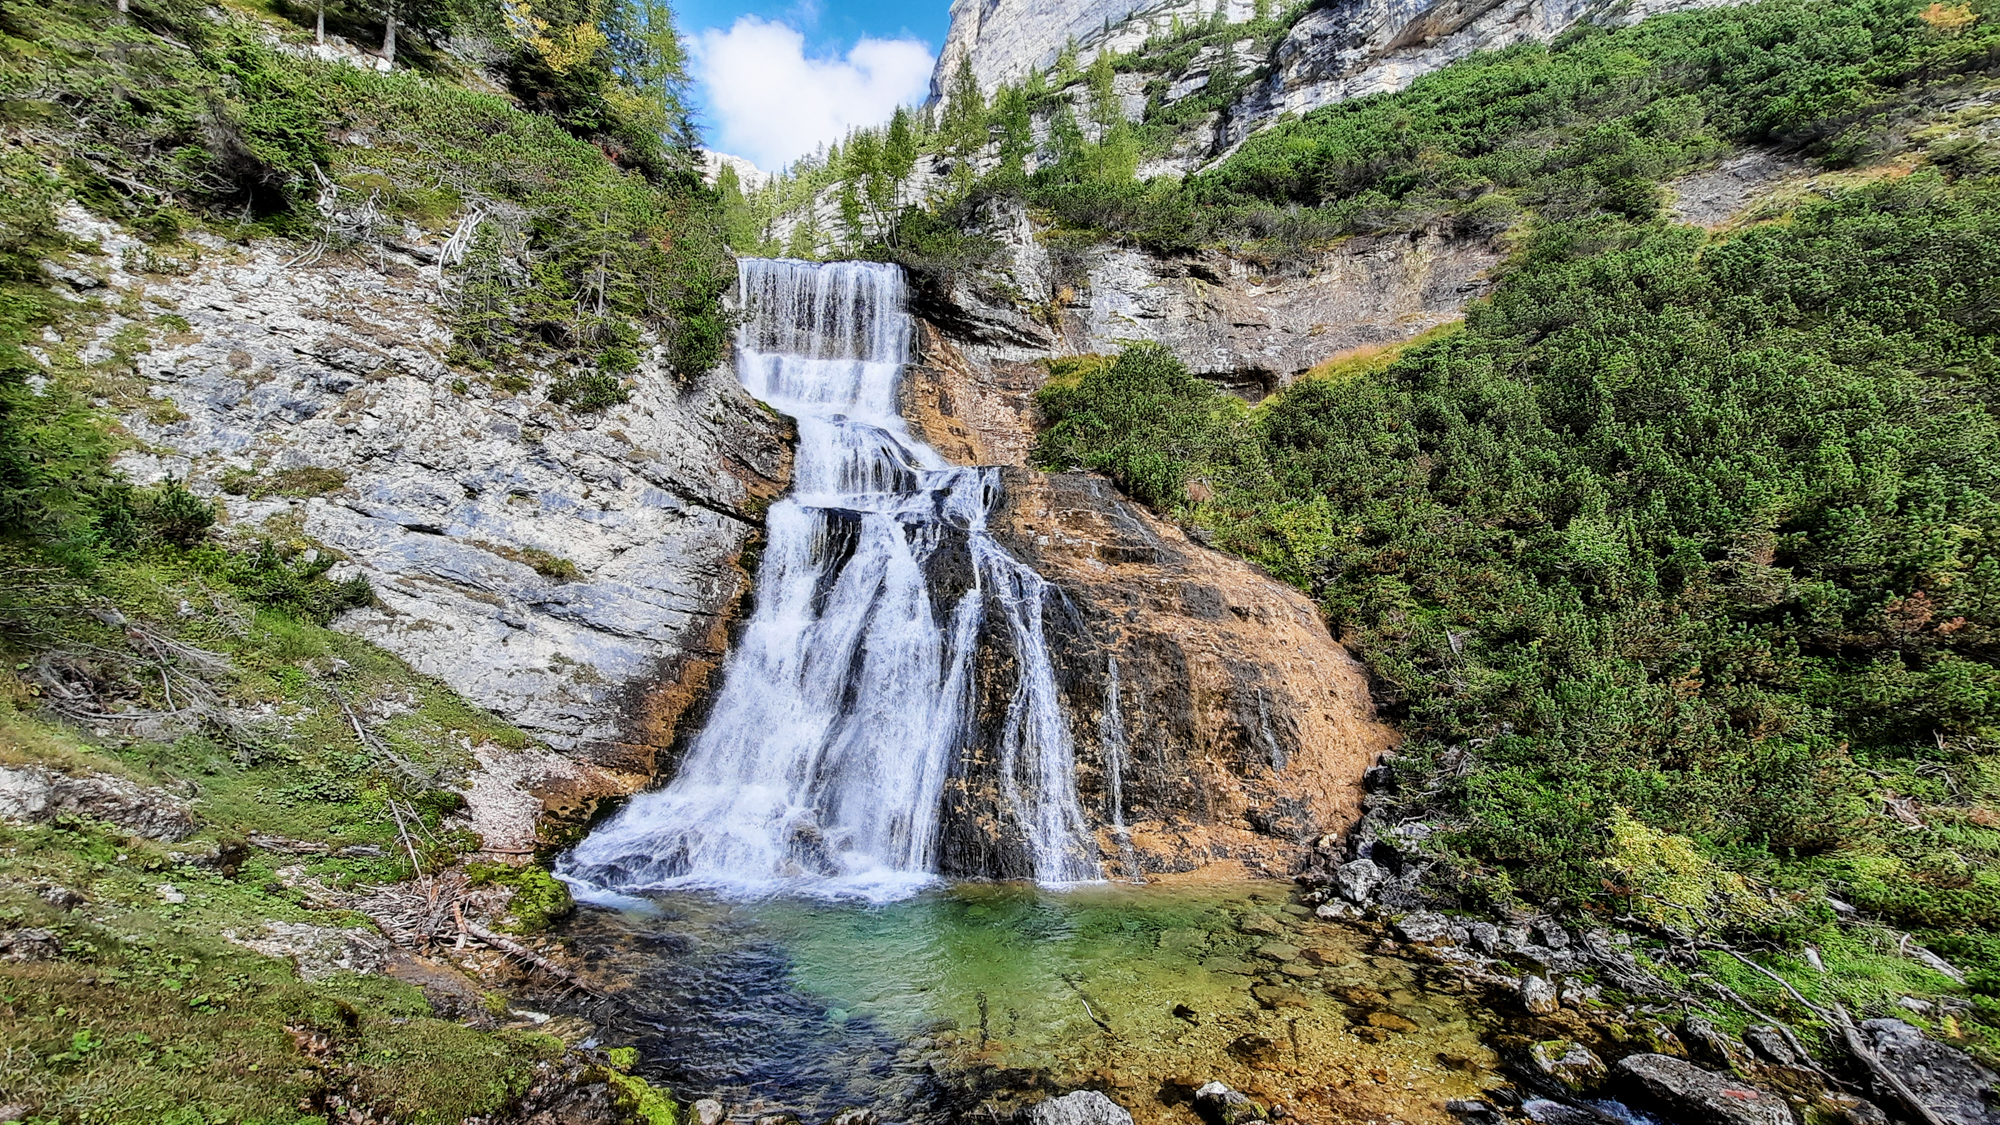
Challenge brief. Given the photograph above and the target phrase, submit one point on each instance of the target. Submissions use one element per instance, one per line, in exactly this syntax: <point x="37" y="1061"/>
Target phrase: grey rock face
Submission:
<point x="35" y="795"/>
<point x="1950" y="1082"/>
<point x="1257" y="333"/>
<point x="454" y="488"/>
<point x="1083" y="1107"/>
<point x="1353" y="48"/>
<point x="1695" y="1096"/>
<point x="1005" y="39"/>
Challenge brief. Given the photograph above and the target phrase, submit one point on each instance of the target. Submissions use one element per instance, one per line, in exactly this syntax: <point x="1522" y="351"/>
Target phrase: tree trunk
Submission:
<point x="389" y="40"/>
<point x="124" y="6"/>
<point x="319" y="25"/>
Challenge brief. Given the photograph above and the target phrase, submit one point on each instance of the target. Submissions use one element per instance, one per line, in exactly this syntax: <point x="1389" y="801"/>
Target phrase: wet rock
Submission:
<point x="1361" y="997"/>
<point x="1568" y="1063"/>
<point x="1279" y="996"/>
<point x="29" y="945"/>
<point x="1257" y="1050"/>
<point x="1082" y="1107"/>
<point x="1324" y="957"/>
<point x="1278" y="951"/>
<point x="1262" y="925"/>
<point x="1425" y="928"/>
<point x="1948" y="1081"/>
<point x="38" y="795"/>
<point x="1391" y="1021"/>
<point x="1538" y="995"/>
<point x="1768" y="1044"/>
<point x="1693" y="1096"/>
<point x="1358" y="879"/>
<point x="1220" y="1105"/>
<point x="1338" y="912"/>
<point x="708" y="1111"/>
<point x="1298" y="970"/>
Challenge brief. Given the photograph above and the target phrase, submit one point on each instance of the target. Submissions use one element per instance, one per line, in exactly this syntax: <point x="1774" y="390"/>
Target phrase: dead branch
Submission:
<point x="1837" y="1016"/>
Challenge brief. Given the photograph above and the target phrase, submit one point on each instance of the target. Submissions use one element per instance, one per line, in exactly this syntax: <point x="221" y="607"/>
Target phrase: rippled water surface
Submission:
<point x="969" y="999"/>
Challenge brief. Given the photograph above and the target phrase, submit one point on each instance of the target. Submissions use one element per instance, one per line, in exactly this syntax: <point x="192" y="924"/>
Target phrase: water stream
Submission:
<point x="844" y="706"/>
<point x="771" y="921"/>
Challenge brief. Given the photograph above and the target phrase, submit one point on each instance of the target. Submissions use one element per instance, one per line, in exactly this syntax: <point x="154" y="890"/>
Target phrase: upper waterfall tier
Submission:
<point x="844" y="707"/>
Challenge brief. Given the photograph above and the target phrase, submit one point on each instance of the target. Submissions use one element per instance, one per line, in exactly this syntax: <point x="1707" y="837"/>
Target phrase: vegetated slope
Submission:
<point x="1677" y="560"/>
<point x="191" y="665"/>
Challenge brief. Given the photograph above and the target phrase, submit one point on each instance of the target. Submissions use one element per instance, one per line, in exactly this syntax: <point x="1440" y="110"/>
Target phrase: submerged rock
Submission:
<point x="1082" y="1107"/>
<point x="1688" y="1094"/>
<point x="1947" y="1081"/>
<point x="1220" y="1105"/>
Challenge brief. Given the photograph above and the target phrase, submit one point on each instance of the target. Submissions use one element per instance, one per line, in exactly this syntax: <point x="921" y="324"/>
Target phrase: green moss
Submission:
<point x="539" y="897"/>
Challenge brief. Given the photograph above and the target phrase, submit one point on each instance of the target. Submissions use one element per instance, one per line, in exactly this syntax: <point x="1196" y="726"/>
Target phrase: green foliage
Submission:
<point x="296" y="585"/>
<point x="588" y="392"/>
<point x="1700" y="539"/>
<point x="539" y="897"/>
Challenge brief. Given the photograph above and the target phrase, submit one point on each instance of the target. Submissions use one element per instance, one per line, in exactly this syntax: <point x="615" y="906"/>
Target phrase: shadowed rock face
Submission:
<point x="1213" y="715"/>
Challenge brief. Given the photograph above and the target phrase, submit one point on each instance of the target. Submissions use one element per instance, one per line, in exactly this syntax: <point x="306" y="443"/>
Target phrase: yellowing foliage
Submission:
<point x="1672" y="884"/>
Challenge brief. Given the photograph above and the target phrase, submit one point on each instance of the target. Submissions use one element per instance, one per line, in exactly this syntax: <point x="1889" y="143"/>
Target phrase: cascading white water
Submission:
<point x="843" y="708"/>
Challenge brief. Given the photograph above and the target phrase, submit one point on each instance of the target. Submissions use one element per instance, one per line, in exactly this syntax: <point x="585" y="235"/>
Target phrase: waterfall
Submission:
<point x="1111" y="735"/>
<point x="845" y="705"/>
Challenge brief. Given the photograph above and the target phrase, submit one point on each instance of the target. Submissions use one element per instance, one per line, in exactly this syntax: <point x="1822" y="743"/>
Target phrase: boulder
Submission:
<point x="1946" y="1080"/>
<point x="1080" y="1107"/>
<point x="1357" y="880"/>
<point x="38" y="795"/>
<point x="1538" y="995"/>
<point x="708" y="1111"/>
<point x="1769" y="1044"/>
<point x="1569" y="1063"/>
<point x="1687" y="1094"/>
<point x="1425" y="928"/>
<point x="1220" y="1105"/>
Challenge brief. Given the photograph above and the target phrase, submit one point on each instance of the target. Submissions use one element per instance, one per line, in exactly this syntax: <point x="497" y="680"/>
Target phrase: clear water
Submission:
<point x="843" y="707"/>
<point x="977" y="998"/>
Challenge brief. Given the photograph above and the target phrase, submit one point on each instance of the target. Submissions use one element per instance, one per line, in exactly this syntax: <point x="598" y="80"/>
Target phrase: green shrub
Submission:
<point x="588" y="392"/>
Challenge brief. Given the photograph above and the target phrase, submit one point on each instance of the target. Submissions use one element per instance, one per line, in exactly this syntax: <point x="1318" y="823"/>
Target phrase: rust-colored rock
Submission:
<point x="1242" y="728"/>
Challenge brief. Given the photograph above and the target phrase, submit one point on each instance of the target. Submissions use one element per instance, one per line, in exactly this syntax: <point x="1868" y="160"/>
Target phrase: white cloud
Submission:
<point x="772" y="104"/>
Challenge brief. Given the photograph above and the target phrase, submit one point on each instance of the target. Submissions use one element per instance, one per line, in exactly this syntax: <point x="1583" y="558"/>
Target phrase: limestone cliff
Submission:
<point x="572" y="572"/>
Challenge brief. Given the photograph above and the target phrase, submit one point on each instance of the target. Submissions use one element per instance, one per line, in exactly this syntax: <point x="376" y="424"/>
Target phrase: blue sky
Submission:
<point x="777" y="78"/>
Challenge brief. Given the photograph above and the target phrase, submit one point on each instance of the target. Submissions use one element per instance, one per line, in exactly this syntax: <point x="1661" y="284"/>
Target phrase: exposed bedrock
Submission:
<point x="573" y="573"/>
<point x="1253" y="332"/>
<point x="1213" y="714"/>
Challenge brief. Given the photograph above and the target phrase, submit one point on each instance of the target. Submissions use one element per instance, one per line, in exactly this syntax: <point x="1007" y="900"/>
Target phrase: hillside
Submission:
<point x="262" y="295"/>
